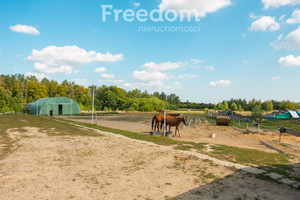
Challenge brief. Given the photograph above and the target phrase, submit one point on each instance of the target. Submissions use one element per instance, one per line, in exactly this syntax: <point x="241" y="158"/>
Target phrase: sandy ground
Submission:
<point x="265" y="141"/>
<point x="109" y="167"/>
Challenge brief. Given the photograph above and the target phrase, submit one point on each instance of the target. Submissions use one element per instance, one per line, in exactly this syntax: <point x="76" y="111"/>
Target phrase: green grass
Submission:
<point x="269" y="125"/>
<point x="248" y="156"/>
<point x="290" y="124"/>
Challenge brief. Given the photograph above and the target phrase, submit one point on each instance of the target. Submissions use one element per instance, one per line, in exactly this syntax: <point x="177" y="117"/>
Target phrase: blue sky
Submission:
<point x="244" y="49"/>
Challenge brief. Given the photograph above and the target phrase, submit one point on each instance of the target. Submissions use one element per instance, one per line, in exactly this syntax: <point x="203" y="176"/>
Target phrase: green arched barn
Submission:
<point x="60" y="106"/>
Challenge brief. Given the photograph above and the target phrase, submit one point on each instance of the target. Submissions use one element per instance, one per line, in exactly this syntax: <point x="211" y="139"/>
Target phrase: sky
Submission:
<point x="224" y="49"/>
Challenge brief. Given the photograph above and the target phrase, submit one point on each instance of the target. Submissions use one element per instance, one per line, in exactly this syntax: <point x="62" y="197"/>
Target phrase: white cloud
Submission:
<point x="177" y="85"/>
<point x="278" y="3"/>
<point x="79" y="81"/>
<point x="276" y="78"/>
<point x="163" y="66"/>
<point x="24" y="29"/>
<point x="152" y="84"/>
<point x="282" y="17"/>
<point x="220" y="83"/>
<point x="187" y="76"/>
<point x="201" y="7"/>
<point x="289" y="61"/>
<point x="70" y="55"/>
<point x="112" y="81"/>
<point x="39" y="76"/>
<point x="64" y="69"/>
<point x="54" y="59"/>
<point x="210" y="68"/>
<point x="151" y="75"/>
<point x="292" y="40"/>
<point x="265" y="23"/>
<point x="100" y="70"/>
<point x="276" y="43"/>
<point x="107" y="76"/>
<point x="196" y="61"/>
<point x="118" y="81"/>
<point x="13" y="69"/>
<point x="253" y="16"/>
<point x="295" y="19"/>
<point x="245" y="62"/>
<point x="146" y="76"/>
<point x="136" y="5"/>
<point x="76" y="71"/>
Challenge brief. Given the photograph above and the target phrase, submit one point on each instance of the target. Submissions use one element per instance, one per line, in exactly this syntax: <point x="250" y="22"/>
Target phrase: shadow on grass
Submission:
<point x="242" y="185"/>
<point x="271" y="147"/>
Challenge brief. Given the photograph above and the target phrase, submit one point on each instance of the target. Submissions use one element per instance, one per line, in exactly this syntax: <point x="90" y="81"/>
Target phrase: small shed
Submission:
<point x="59" y="105"/>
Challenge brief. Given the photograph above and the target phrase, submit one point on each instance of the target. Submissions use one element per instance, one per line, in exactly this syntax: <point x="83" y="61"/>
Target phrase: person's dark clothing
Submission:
<point x="51" y="113"/>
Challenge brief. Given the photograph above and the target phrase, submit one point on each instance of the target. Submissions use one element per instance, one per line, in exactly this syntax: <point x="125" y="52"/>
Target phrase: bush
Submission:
<point x="256" y="110"/>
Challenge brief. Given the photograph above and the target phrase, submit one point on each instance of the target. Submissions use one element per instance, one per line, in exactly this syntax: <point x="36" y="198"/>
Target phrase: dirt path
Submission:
<point x="110" y="167"/>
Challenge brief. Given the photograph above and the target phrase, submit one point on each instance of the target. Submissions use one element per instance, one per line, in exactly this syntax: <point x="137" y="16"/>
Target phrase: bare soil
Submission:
<point x="110" y="167"/>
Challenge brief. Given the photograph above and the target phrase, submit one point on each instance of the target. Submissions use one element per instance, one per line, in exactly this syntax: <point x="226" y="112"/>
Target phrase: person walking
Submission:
<point x="51" y="113"/>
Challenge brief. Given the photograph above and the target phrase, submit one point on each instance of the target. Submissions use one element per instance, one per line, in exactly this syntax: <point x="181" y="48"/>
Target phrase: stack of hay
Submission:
<point x="223" y="120"/>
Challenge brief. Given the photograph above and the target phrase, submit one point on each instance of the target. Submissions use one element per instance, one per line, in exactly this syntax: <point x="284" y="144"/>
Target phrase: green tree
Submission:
<point x="36" y="91"/>
<point x="269" y="106"/>
<point x="220" y="106"/>
<point x="2" y="100"/>
<point x="240" y="108"/>
<point x="256" y="110"/>
<point x="225" y="106"/>
<point x="283" y="105"/>
<point x="233" y="107"/>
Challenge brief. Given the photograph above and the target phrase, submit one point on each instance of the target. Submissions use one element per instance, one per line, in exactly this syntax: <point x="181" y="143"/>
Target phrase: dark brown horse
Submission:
<point x="175" y="121"/>
<point x="158" y="120"/>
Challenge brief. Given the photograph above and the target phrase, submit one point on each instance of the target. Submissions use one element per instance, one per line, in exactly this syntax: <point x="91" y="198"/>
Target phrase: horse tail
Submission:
<point x="153" y="122"/>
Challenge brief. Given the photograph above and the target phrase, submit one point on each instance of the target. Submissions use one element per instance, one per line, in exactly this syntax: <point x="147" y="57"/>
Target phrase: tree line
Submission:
<point x="18" y="89"/>
<point x="253" y="105"/>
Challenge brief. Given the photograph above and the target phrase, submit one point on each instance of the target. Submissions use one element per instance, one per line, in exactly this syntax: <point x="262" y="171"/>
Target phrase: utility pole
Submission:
<point x="165" y="123"/>
<point x="93" y="107"/>
<point x="22" y="97"/>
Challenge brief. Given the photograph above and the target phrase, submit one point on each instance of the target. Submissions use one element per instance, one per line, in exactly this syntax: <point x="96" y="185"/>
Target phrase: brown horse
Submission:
<point x="175" y="121"/>
<point x="158" y="120"/>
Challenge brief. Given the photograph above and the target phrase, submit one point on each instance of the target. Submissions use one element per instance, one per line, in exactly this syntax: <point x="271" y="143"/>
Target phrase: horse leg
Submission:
<point x="178" y="131"/>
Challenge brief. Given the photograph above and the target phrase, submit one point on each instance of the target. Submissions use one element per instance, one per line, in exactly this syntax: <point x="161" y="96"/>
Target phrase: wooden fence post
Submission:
<point x="280" y="136"/>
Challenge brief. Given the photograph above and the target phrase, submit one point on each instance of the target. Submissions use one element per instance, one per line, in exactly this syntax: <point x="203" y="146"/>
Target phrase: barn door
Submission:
<point x="60" y="109"/>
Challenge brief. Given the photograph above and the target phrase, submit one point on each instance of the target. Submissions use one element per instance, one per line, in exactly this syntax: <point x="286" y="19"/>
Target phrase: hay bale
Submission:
<point x="223" y="120"/>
